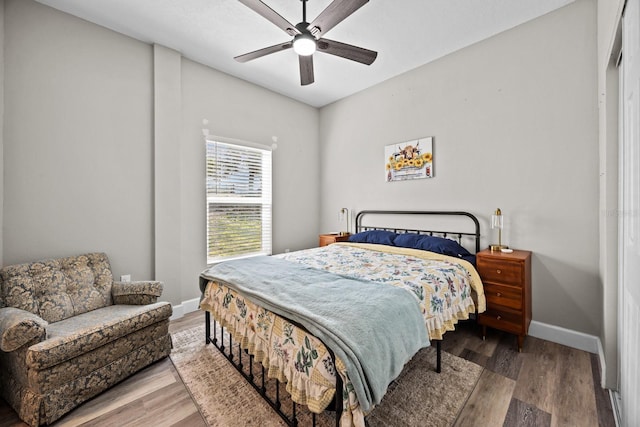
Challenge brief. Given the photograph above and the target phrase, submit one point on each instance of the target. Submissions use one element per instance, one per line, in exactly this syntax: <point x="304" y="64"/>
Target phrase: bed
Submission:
<point x="336" y="324"/>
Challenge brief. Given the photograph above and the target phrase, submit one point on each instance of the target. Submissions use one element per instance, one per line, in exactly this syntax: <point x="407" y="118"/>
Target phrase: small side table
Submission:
<point x="506" y="278"/>
<point x="327" y="239"/>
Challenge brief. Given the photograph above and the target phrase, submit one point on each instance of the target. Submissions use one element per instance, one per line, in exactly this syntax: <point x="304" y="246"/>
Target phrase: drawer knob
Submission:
<point x="499" y="294"/>
<point x="499" y="317"/>
<point x="499" y="271"/>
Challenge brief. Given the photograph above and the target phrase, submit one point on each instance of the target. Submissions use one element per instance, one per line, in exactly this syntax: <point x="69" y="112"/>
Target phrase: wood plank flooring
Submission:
<point x="547" y="384"/>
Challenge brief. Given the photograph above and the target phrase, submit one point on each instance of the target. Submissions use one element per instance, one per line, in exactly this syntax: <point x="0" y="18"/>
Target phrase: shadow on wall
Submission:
<point x="565" y="295"/>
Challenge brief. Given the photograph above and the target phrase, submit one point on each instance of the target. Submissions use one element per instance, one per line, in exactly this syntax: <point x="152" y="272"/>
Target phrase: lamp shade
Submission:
<point x="497" y="220"/>
<point x="344" y="214"/>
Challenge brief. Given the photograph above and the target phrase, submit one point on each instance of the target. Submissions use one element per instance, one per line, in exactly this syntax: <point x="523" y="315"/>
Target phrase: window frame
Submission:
<point x="265" y="200"/>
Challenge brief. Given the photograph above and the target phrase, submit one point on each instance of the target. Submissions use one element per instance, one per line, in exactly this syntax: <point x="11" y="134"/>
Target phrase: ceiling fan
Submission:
<point x="307" y="37"/>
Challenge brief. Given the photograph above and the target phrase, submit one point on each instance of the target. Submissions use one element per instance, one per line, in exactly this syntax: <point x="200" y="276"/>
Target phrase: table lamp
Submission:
<point x="497" y="221"/>
<point x="344" y="212"/>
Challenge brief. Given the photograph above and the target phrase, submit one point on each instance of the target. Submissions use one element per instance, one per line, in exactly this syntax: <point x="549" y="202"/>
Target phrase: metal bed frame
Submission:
<point x="458" y="234"/>
<point x="336" y="404"/>
<point x="273" y="401"/>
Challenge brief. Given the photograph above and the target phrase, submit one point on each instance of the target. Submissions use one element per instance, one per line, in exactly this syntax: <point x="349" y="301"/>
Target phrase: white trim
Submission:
<point x="603" y="364"/>
<point x="615" y="405"/>
<point x="234" y="141"/>
<point x="568" y="337"/>
<point x="185" y="307"/>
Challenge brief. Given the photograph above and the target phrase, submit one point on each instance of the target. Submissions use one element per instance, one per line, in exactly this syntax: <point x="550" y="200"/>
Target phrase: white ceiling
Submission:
<point x="405" y="33"/>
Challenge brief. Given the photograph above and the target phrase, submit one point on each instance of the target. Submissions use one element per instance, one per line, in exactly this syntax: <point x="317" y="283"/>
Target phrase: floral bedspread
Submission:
<point x="441" y="284"/>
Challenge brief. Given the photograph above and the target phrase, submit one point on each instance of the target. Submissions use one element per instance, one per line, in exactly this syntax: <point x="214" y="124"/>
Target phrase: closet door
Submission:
<point x="629" y="305"/>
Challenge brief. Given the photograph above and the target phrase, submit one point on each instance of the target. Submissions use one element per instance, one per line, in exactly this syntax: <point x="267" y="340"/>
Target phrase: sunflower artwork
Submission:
<point x="409" y="160"/>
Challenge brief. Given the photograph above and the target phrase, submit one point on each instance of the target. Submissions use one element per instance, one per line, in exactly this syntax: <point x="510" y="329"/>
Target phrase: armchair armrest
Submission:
<point x="136" y="293"/>
<point x="18" y="327"/>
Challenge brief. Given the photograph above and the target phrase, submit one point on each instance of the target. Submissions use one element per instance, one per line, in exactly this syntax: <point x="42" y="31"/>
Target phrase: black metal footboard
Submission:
<point x="258" y="382"/>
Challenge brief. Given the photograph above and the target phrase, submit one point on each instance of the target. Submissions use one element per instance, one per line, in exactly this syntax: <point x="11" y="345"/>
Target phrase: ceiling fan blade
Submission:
<point x="262" y="52"/>
<point x="335" y="13"/>
<point x="271" y="15"/>
<point x="354" y="53"/>
<point x="306" y="69"/>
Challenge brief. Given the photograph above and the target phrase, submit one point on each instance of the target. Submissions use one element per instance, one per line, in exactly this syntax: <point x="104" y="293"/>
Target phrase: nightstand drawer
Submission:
<point x="507" y="296"/>
<point x="502" y="318"/>
<point x="500" y="271"/>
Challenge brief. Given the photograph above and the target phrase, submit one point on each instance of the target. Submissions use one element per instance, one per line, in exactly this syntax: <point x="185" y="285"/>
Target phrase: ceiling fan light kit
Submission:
<point x="307" y="38"/>
<point x="304" y="44"/>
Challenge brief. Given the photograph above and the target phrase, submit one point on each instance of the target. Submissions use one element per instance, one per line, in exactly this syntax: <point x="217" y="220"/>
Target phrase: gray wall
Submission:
<point x="237" y="109"/>
<point x="515" y="122"/>
<point x="104" y="149"/>
<point x="78" y="147"/>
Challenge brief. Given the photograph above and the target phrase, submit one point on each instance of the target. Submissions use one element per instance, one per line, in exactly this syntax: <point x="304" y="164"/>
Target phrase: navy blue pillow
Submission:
<point x="432" y="243"/>
<point x="380" y="237"/>
<point x="408" y="240"/>
<point x="442" y="246"/>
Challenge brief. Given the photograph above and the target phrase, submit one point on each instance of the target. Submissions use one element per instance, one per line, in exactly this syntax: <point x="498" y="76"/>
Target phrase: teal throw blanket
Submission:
<point x="375" y="329"/>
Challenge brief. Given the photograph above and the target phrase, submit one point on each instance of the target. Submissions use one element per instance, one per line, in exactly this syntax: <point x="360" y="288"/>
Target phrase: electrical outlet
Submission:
<point x="125" y="278"/>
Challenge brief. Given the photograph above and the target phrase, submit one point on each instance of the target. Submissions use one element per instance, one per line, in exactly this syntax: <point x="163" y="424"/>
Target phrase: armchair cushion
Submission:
<point x="19" y="327"/>
<point x="85" y="332"/>
<point x="85" y="364"/>
<point x="136" y="293"/>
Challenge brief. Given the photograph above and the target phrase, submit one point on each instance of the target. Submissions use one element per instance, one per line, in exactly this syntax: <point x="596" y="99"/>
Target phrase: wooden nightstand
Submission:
<point x="327" y="239"/>
<point x="506" y="278"/>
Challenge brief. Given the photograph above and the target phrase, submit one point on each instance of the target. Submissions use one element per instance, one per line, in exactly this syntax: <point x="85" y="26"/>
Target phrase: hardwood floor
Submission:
<point x="153" y="397"/>
<point x="547" y="384"/>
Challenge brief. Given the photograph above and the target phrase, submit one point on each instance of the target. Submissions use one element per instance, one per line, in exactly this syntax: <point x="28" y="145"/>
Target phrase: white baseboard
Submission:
<point x="184" y="308"/>
<point x="568" y="337"/>
<point x="615" y="404"/>
<point x="603" y="364"/>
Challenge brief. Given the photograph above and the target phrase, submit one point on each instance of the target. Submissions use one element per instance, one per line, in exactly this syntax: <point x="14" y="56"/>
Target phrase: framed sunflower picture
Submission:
<point x="409" y="160"/>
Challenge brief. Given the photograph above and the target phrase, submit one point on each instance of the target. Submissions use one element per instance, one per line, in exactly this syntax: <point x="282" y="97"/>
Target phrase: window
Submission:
<point x="238" y="201"/>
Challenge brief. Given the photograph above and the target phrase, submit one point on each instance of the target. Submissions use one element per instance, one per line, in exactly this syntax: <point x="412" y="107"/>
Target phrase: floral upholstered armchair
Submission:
<point x="69" y="332"/>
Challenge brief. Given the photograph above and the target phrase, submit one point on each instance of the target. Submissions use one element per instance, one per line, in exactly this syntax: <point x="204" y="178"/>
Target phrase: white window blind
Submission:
<point x="238" y="201"/>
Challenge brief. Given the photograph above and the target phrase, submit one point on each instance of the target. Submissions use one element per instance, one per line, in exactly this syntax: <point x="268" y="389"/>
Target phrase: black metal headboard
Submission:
<point x="457" y="234"/>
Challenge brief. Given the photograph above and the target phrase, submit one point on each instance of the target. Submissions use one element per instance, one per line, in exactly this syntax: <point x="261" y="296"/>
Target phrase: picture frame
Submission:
<point x="409" y="160"/>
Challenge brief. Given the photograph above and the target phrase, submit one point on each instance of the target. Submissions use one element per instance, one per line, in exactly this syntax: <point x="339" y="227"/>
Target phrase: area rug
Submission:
<point x="419" y="397"/>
